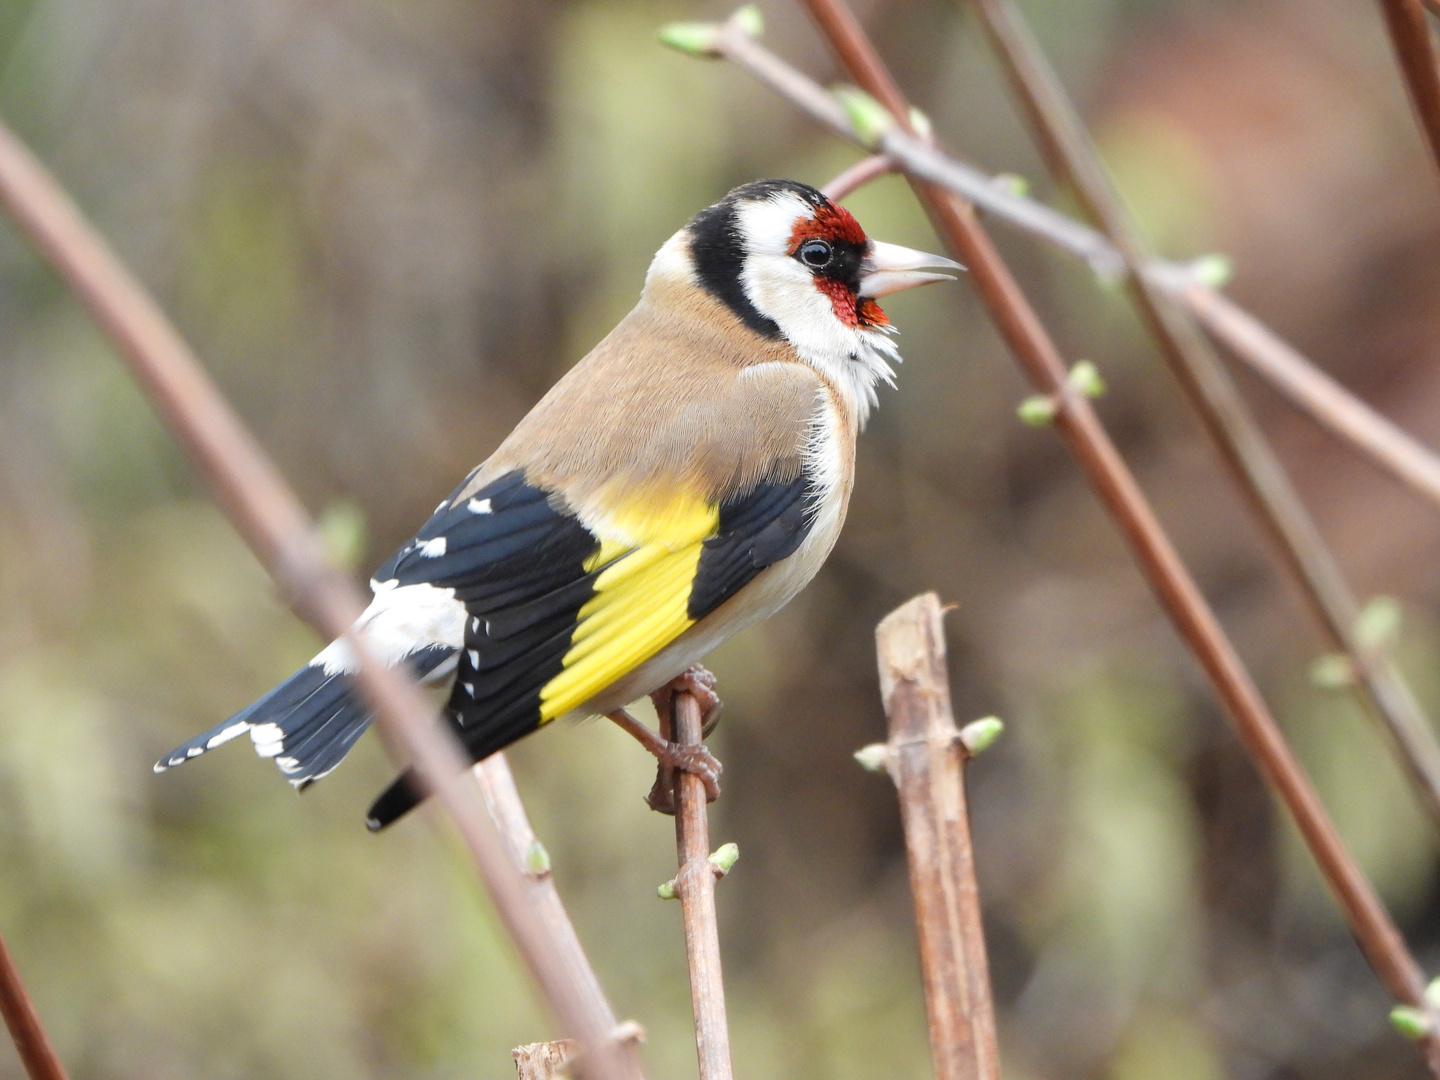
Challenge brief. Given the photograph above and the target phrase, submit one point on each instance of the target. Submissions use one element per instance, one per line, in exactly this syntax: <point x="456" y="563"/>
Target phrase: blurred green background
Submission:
<point x="388" y="227"/>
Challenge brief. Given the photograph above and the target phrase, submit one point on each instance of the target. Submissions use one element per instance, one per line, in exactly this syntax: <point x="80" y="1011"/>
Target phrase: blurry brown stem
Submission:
<point x="1213" y="394"/>
<point x="1155" y="555"/>
<point x="21" y="1017"/>
<point x="1311" y="390"/>
<point x="926" y="759"/>
<point x="1326" y="402"/>
<point x="858" y="175"/>
<point x="1415" y="52"/>
<point x="502" y="799"/>
<point x="695" y="889"/>
<point x="543" y="1061"/>
<point x="271" y="520"/>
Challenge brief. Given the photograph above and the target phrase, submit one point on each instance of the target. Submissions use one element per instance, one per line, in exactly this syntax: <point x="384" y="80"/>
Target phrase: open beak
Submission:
<point x="889" y="268"/>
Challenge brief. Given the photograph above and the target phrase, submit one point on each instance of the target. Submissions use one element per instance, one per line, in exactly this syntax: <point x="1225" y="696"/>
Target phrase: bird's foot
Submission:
<point x="698" y="681"/>
<point x="676" y="757"/>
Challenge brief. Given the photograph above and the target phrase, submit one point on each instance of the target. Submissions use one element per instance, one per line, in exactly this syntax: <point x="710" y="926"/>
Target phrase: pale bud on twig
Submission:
<point x="1377" y="628"/>
<point x="1012" y="183"/>
<point x="1333" y="671"/>
<point x="1432" y="994"/>
<point x="1411" y="1022"/>
<point x="1213" y="271"/>
<point x="692" y="38"/>
<point x="537" y="860"/>
<point x="723" y="858"/>
<point x="977" y="735"/>
<point x="920" y="124"/>
<point x="1085" y="377"/>
<point x="874" y="758"/>
<point x="1037" y="411"/>
<point x="871" y="120"/>
<point x="666" y="891"/>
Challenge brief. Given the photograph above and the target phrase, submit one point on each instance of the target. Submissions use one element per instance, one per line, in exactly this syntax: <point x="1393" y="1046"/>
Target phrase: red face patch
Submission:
<point x="838" y="227"/>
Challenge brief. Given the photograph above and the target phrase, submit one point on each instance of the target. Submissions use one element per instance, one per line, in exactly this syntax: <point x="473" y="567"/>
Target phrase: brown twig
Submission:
<point x="543" y="1061"/>
<point x="1415" y="53"/>
<point x="926" y="758"/>
<point x="857" y="176"/>
<point x="271" y="520"/>
<point x="1314" y="392"/>
<point x="694" y="887"/>
<point x="21" y="1017"/>
<point x="1155" y="555"/>
<point x="1390" y="449"/>
<point x="502" y="799"/>
<point x="1072" y="158"/>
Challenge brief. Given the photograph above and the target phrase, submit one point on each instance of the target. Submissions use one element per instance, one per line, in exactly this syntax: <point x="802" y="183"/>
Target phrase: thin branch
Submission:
<point x="857" y="176"/>
<point x="1390" y="449"/>
<point x="1072" y="158"/>
<point x="502" y="799"/>
<point x="1409" y="32"/>
<point x="543" y="1061"/>
<point x="694" y="887"/>
<point x="926" y="759"/>
<point x="1154" y="553"/>
<point x="21" y="1017"/>
<point x="1312" y="391"/>
<point x="271" y="520"/>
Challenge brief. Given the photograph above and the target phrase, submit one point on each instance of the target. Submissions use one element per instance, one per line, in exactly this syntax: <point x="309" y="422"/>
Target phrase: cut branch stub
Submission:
<point x="926" y="757"/>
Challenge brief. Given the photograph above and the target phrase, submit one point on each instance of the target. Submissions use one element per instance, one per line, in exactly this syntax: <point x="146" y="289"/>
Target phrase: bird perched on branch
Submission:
<point x="684" y="480"/>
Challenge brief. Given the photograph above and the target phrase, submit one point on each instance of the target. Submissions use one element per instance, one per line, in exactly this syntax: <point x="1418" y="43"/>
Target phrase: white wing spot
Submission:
<point x="432" y="549"/>
<point x="195" y="751"/>
<point x="478" y="506"/>
<point x="469" y="689"/>
<point x="226" y="735"/>
<point x="475" y="659"/>
<point x="443" y="503"/>
<point x="475" y="625"/>
<point x="269" y="740"/>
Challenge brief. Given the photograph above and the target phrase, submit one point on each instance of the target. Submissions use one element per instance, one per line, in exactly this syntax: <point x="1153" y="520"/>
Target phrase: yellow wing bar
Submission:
<point x="641" y="600"/>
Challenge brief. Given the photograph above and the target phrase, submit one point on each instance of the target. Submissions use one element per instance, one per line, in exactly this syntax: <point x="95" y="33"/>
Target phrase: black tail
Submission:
<point x="395" y="801"/>
<point x="307" y="724"/>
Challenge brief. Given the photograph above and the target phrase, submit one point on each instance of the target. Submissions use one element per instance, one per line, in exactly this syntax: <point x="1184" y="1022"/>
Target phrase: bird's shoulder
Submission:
<point x="680" y="408"/>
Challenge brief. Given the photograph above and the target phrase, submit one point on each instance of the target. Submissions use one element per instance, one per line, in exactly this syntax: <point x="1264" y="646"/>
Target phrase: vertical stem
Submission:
<point x="38" y="1056"/>
<point x="695" y="889"/>
<point x="926" y="761"/>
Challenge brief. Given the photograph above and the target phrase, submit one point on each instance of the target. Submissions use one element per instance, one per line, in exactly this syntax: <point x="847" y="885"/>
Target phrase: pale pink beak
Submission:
<point x="889" y="268"/>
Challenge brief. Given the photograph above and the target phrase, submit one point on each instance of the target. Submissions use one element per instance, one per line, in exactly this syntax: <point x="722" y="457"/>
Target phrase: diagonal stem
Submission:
<point x="21" y="1017"/>
<point x="270" y="518"/>
<point x="1071" y="156"/>
<point x="1415" y="53"/>
<point x="1393" y="451"/>
<point x="1156" y="556"/>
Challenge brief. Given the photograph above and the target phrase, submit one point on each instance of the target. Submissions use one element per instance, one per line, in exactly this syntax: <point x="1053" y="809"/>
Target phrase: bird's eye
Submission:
<point x="815" y="253"/>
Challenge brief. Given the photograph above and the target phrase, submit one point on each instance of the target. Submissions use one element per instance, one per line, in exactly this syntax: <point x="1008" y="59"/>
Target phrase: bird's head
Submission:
<point x="791" y="264"/>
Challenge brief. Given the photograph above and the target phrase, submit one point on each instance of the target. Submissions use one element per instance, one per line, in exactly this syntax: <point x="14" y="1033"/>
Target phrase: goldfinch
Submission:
<point x="684" y="480"/>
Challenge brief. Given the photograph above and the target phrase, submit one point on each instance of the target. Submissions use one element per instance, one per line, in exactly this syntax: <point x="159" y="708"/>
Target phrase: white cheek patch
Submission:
<point x="783" y="290"/>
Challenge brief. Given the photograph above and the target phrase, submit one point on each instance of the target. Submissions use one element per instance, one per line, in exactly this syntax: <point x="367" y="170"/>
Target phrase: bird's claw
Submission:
<point x="698" y="681"/>
<point x="696" y="760"/>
